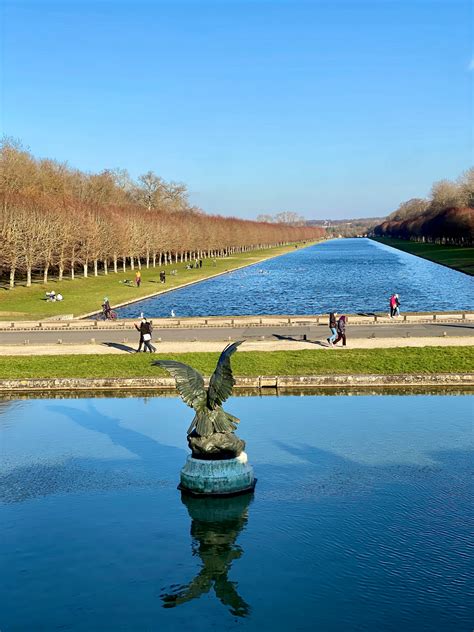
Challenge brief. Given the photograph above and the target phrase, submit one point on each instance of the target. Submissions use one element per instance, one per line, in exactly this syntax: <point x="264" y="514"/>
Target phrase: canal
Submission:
<point x="345" y="275"/>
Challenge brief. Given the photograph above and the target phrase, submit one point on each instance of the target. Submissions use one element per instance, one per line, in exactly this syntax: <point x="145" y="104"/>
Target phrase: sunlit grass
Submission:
<point x="408" y="360"/>
<point x="452" y="256"/>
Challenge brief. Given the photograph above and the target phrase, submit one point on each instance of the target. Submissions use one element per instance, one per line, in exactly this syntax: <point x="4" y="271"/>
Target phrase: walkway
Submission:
<point x="264" y="337"/>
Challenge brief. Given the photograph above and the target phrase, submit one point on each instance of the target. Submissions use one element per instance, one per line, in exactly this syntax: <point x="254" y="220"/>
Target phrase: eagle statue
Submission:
<point x="211" y="433"/>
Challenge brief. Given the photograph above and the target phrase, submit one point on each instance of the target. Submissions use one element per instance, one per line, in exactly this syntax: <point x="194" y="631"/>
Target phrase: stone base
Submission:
<point x="224" y="477"/>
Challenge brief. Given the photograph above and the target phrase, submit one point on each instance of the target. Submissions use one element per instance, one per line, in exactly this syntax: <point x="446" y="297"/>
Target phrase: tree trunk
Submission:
<point x="45" y="273"/>
<point x="154" y="259"/>
<point x="132" y="264"/>
<point x="86" y="270"/>
<point x="147" y="258"/>
<point x="115" y="264"/>
<point x="61" y="271"/>
<point x="28" y="276"/>
<point x="106" y="269"/>
<point x="96" y="272"/>
<point x="12" y="278"/>
<point x="124" y="263"/>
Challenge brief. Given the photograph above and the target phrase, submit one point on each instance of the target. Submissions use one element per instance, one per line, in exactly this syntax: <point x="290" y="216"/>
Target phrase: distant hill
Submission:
<point x="347" y="227"/>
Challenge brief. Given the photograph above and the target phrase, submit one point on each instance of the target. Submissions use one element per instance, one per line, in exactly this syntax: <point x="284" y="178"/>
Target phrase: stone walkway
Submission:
<point x="250" y="345"/>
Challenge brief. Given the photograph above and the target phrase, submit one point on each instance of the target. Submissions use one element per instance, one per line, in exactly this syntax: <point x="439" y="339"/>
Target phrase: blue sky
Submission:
<point x="330" y="109"/>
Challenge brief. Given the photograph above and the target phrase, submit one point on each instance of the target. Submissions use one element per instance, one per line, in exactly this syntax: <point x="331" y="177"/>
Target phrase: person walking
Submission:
<point x="341" y="330"/>
<point x="141" y="329"/>
<point x="147" y="332"/>
<point x="392" y="303"/>
<point x="332" y="327"/>
<point x="397" y="306"/>
<point x="138" y="278"/>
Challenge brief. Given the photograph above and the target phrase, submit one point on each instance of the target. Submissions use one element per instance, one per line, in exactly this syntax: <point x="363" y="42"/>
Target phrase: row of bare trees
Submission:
<point x="54" y="219"/>
<point x="446" y="217"/>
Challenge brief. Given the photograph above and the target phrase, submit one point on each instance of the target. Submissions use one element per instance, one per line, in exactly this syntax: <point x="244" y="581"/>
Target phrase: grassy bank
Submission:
<point x="83" y="295"/>
<point x="251" y="363"/>
<point x="461" y="259"/>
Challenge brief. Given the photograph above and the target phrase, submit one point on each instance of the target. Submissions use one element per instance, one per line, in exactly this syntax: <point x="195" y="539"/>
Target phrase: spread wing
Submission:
<point x="189" y="382"/>
<point x="222" y="380"/>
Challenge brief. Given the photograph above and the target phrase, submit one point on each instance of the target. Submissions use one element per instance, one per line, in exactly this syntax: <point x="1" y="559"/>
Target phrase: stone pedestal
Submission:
<point x="225" y="477"/>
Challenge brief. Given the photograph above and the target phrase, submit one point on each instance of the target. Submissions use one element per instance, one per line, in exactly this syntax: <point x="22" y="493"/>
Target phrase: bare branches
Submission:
<point x="57" y="220"/>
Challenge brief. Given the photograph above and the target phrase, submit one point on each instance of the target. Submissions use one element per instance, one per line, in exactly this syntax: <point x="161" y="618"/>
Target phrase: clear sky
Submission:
<point x="327" y="108"/>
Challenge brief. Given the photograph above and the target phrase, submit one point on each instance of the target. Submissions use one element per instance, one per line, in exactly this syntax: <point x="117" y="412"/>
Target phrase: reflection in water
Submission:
<point x="216" y="524"/>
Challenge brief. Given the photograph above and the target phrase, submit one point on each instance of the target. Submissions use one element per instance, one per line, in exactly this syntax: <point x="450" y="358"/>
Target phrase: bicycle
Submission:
<point x="111" y="315"/>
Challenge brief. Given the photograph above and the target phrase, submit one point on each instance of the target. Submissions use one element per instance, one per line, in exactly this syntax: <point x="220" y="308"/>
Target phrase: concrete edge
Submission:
<point x="463" y="317"/>
<point x="260" y="382"/>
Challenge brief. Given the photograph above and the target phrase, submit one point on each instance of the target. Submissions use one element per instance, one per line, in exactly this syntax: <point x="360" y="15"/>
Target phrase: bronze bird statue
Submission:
<point x="210" y="417"/>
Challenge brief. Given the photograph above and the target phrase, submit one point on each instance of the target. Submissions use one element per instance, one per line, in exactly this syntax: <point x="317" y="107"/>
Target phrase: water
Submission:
<point x="361" y="519"/>
<point x="345" y="275"/>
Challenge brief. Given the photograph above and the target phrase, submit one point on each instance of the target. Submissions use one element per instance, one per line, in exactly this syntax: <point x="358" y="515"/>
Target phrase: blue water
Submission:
<point x="343" y="275"/>
<point x="361" y="519"/>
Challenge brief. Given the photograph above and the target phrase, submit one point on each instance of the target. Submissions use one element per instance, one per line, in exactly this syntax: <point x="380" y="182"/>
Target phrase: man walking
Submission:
<point x="147" y="331"/>
<point x="332" y="327"/>
<point x="341" y="330"/>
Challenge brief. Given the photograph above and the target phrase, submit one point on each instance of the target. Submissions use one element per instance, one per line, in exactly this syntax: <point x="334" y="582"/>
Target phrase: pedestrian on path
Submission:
<point x="141" y="329"/>
<point x="393" y="304"/>
<point x="332" y="327"/>
<point x="138" y="278"/>
<point x="147" y="332"/>
<point x="341" y="330"/>
<point x="397" y="305"/>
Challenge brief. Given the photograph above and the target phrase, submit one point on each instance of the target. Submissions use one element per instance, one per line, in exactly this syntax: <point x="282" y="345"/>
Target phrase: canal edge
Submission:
<point x="260" y="382"/>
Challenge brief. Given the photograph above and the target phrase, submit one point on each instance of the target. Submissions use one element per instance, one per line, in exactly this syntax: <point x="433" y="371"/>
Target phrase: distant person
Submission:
<point x="106" y="309"/>
<point x="138" y="278"/>
<point x="341" y="330"/>
<point x="332" y="327"/>
<point x="397" y="305"/>
<point x="200" y="263"/>
<point x="59" y="296"/>
<point x="147" y="333"/>
<point x="141" y="329"/>
<point x="162" y="276"/>
<point x="393" y="305"/>
<point x="51" y="296"/>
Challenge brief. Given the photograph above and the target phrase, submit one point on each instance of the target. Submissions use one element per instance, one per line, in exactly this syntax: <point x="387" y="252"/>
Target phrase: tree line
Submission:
<point x="446" y="217"/>
<point x="58" y="220"/>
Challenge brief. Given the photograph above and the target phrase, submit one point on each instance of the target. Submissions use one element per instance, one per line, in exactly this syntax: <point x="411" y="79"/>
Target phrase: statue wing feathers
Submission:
<point x="204" y="427"/>
<point x="222" y="380"/>
<point x="189" y="382"/>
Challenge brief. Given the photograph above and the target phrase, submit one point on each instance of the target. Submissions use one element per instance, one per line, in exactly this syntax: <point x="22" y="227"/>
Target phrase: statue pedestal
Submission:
<point x="226" y="477"/>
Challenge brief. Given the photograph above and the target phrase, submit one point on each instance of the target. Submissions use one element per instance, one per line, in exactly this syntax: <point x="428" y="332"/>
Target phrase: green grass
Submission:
<point x="251" y="363"/>
<point x="82" y="295"/>
<point x="456" y="257"/>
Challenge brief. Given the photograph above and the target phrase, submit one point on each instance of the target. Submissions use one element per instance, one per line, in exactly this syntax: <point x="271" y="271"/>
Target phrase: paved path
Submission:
<point x="262" y="338"/>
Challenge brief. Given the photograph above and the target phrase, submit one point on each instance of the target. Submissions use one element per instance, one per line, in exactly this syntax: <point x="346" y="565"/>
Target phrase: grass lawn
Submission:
<point x="452" y="256"/>
<point x="249" y="363"/>
<point x="82" y="296"/>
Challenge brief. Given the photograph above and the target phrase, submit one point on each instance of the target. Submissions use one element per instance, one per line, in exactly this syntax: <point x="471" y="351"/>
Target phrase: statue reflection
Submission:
<point x="216" y="524"/>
